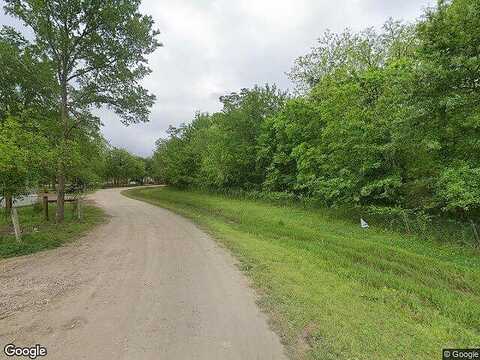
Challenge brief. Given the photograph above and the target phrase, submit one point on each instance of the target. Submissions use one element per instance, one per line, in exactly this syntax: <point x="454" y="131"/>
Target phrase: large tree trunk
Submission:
<point x="61" y="166"/>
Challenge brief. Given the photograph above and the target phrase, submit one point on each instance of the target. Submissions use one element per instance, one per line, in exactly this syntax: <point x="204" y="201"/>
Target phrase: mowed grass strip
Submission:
<point x="336" y="291"/>
<point x="43" y="235"/>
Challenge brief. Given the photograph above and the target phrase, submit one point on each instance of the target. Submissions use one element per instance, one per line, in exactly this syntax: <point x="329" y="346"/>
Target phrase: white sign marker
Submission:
<point x="363" y="224"/>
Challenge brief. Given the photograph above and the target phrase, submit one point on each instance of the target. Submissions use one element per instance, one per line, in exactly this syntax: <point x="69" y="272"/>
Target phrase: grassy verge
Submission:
<point x="42" y="235"/>
<point x="335" y="291"/>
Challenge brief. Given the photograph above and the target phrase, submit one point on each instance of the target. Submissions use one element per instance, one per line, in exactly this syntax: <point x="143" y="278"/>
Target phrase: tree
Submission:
<point x="220" y="150"/>
<point x="230" y="146"/>
<point x="385" y="118"/>
<point x="99" y="50"/>
<point x="87" y="160"/>
<point x="137" y="170"/>
<point x="28" y="81"/>
<point x="175" y="160"/>
<point x="447" y="98"/>
<point x="23" y="153"/>
<point x="122" y="167"/>
<point x="27" y="95"/>
<point x="116" y="164"/>
<point x="352" y="52"/>
<point x="298" y="123"/>
<point x="150" y="171"/>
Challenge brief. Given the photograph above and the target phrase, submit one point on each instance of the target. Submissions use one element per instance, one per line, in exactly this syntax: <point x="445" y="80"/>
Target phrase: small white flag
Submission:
<point x="363" y="224"/>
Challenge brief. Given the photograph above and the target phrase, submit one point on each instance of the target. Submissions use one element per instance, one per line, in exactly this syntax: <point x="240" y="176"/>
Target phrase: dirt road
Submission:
<point x="147" y="285"/>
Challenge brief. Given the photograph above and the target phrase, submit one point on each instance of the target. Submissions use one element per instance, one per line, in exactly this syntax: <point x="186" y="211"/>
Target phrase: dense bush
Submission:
<point x="384" y="119"/>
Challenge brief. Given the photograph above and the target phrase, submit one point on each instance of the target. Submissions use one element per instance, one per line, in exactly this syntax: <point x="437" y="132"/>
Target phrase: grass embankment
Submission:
<point x="336" y="291"/>
<point x="39" y="234"/>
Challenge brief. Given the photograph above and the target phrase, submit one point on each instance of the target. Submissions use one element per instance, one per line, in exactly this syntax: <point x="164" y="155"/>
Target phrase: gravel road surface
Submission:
<point x="147" y="285"/>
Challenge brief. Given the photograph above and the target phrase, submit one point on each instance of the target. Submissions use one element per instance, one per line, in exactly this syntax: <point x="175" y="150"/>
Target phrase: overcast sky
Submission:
<point x="213" y="47"/>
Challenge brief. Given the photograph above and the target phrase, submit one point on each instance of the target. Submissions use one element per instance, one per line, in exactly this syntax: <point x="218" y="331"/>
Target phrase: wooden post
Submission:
<point x="79" y="208"/>
<point x="405" y="220"/>
<point x="8" y="205"/>
<point x="16" y="225"/>
<point x="45" y="207"/>
<point x="9" y="202"/>
<point x="475" y="232"/>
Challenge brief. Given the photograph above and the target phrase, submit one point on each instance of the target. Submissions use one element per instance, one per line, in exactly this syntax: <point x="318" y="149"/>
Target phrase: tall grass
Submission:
<point x="434" y="226"/>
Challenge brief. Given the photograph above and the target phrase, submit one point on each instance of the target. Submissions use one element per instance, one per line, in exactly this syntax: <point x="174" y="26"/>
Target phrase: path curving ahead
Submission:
<point x="147" y="285"/>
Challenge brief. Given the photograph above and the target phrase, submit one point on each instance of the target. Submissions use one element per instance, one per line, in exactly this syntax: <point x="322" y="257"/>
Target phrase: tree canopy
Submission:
<point x="386" y="117"/>
<point x="98" y="52"/>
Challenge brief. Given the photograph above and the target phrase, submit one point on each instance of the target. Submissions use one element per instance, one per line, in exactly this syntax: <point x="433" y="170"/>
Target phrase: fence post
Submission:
<point x="475" y="232"/>
<point x="45" y="207"/>
<point x="405" y="220"/>
<point x="16" y="225"/>
<point x="79" y="208"/>
<point x="8" y="205"/>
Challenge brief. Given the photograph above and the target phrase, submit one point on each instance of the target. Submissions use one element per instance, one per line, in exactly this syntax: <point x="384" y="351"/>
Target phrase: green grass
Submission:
<point x="336" y="291"/>
<point x="42" y="235"/>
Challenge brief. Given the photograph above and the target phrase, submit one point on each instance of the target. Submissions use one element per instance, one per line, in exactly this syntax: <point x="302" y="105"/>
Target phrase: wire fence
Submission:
<point x="407" y="221"/>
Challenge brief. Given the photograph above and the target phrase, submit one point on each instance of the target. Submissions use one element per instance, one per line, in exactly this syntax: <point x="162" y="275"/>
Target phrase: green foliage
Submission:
<point x="230" y="156"/>
<point x="220" y="150"/>
<point x="84" y="157"/>
<point x="385" y="118"/>
<point x="352" y="52"/>
<point x="459" y="188"/>
<point x="101" y="46"/>
<point x="86" y="54"/>
<point x="23" y="153"/>
<point x="27" y="82"/>
<point x="27" y="92"/>
<point x="98" y="51"/>
<point x="121" y="167"/>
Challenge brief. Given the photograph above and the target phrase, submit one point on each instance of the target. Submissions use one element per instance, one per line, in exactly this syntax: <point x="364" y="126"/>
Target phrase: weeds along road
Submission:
<point x="147" y="285"/>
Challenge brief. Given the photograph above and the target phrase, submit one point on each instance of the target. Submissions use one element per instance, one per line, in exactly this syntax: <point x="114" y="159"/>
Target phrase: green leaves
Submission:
<point x="97" y="50"/>
<point x="27" y="81"/>
<point x="101" y="46"/>
<point x="352" y="53"/>
<point x="23" y="153"/>
<point x="387" y="118"/>
<point x="122" y="167"/>
<point x="221" y="150"/>
<point x="459" y="187"/>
